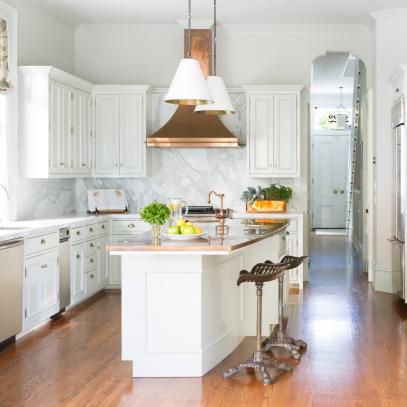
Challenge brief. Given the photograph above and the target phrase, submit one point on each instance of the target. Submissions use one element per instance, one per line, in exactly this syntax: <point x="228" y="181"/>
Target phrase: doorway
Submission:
<point x="339" y="147"/>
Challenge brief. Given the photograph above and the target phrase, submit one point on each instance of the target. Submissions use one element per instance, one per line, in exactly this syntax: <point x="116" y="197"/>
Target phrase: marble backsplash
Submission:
<point x="186" y="173"/>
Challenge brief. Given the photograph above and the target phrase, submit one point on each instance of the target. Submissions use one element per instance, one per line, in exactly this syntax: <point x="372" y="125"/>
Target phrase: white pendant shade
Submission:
<point x="222" y="103"/>
<point x="188" y="87"/>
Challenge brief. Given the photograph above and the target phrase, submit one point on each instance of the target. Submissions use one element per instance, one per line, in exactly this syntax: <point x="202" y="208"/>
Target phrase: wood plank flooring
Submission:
<point x="357" y="353"/>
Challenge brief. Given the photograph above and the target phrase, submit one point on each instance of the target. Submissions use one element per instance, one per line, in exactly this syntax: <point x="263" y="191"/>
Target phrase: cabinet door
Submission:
<point x="132" y="135"/>
<point x="60" y="129"/>
<point x="81" y="130"/>
<point x="102" y="261"/>
<point x="32" y="292"/>
<point x="285" y="144"/>
<point x="77" y="272"/>
<point x="50" y="284"/>
<point x="291" y="240"/>
<point x="261" y="128"/>
<point x="107" y="135"/>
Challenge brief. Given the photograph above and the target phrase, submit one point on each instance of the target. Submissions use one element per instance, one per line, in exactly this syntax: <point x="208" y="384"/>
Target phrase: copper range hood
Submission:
<point x="187" y="129"/>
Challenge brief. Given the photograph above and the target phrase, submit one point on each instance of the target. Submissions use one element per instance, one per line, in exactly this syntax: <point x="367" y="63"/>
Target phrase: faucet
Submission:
<point x="221" y="214"/>
<point x="6" y="191"/>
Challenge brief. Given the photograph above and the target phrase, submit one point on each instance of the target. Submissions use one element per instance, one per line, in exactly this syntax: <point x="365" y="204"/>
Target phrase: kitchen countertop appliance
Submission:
<point x="398" y="114"/>
<point x="64" y="269"/>
<point x="11" y="289"/>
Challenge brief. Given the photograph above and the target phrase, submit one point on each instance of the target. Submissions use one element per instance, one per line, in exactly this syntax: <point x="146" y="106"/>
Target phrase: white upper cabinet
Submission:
<point x="54" y="123"/>
<point x="273" y="128"/>
<point x="120" y="130"/>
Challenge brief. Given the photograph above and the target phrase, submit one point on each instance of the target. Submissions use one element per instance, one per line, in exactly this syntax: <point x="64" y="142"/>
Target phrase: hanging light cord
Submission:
<point x="189" y="29"/>
<point x="341" y="88"/>
<point x="214" y="39"/>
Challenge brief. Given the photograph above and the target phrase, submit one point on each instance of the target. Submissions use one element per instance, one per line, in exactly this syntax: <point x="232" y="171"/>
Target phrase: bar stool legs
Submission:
<point x="282" y="340"/>
<point x="259" y="360"/>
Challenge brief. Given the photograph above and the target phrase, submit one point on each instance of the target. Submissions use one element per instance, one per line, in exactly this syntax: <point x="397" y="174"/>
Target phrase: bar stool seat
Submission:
<point x="281" y="340"/>
<point x="260" y="274"/>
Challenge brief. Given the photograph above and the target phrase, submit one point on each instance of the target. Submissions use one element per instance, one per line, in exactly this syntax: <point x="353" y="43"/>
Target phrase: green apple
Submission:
<point x="187" y="230"/>
<point x="174" y="230"/>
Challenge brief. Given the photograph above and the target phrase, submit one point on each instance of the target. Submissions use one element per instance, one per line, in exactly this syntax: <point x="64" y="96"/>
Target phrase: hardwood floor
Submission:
<point x="357" y="353"/>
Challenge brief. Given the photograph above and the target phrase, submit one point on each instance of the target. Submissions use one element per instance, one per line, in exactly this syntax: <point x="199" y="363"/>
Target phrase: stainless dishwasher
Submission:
<point x="11" y="289"/>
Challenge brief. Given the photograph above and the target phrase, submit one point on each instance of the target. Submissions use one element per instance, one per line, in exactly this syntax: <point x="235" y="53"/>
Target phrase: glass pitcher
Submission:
<point x="175" y="206"/>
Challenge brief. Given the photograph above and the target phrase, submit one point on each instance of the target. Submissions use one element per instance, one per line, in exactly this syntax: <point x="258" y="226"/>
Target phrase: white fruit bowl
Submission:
<point x="183" y="237"/>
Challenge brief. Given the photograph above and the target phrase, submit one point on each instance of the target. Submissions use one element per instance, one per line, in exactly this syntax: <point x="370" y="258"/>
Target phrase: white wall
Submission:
<point x="279" y="55"/>
<point x="43" y="39"/>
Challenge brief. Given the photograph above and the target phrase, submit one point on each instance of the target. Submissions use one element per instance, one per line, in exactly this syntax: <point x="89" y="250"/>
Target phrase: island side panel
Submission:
<point x="161" y="314"/>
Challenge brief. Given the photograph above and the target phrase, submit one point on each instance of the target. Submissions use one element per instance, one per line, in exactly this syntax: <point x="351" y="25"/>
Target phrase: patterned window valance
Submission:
<point x="5" y="85"/>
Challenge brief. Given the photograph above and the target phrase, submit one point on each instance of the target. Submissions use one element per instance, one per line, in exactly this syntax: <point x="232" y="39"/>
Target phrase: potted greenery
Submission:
<point x="156" y="214"/>
<point x="272" y="198"/>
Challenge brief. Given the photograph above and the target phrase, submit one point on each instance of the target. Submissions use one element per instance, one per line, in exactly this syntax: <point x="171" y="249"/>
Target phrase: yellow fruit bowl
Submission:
<point x="267" y="206"/>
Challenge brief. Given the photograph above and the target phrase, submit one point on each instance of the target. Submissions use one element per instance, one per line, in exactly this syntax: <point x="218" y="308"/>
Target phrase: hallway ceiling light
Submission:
<point x="341" y="114"/>
<point x="223" y="104"/>
<point x="188" y="87"/>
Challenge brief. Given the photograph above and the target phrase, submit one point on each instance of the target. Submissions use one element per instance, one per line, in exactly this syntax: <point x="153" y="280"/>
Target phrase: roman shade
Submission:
<point x="5" y="85"/>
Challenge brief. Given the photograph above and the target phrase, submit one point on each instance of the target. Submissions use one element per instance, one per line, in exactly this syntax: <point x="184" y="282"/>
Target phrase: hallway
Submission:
<point x="357" y="353"/>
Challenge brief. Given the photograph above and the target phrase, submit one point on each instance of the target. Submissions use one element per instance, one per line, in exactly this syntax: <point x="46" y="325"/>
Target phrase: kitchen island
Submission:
<point x="182" y="312"/>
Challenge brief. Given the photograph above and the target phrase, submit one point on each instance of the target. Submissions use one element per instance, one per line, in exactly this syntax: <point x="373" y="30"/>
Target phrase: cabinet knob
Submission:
<point x="131" y="225"/>
<point x="78" y="232"/>
<point x="103" y="227"/>
<point x="92" y="276"/>
<point x="287" y="233"/>
<point x="91" y="260"/>
<point x="43" y="241"/>
<point x="92" y="245"/>
<point x="83" y="165"/>
<point x="90" y="229"/>
<point x="342" y="191"/>
<point x="78" y="256"/>
<point x="44" y="266"/>
<point x="62" y="164"/>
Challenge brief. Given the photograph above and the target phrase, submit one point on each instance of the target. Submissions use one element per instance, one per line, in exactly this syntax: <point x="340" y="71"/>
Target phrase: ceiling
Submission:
<point x="229" y="11"/>
<point x="331" y="71"/>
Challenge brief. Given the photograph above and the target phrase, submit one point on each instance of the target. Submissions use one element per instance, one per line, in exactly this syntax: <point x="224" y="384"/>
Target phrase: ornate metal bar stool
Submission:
<point x="261" y="273"/>
<point x="281" y="340"/>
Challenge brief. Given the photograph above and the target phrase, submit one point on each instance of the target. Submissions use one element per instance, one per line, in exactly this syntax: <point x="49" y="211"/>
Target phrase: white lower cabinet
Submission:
<point x="77" y="272"/>
<point x="41" y="288"/>
<point x="102" y="261"/>
<point x="122" y="230"/>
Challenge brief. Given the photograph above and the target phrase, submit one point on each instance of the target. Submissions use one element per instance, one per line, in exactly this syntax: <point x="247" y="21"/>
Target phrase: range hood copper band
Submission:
<point x="188" y="142"/>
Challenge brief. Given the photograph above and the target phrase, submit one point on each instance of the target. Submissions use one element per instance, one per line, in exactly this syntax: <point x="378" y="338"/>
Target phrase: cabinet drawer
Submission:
<point x="90" y="263"/>
<point x="90" y="248"/>
<point x="90" y="231"/>
<point x="77" y="234"/>
<point x="129" y="226"/>
<point x="41" y="243"/>
<point x="102" y="228"/>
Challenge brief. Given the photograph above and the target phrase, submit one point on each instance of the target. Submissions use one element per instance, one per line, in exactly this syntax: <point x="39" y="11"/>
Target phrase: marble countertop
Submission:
<point x="236" y="239"/>
<point x="30" y="228"/>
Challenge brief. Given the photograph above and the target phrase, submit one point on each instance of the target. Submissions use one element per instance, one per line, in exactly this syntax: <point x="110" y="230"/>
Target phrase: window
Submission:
<point x="8" y="104"/>
<point x="324" y="118"/>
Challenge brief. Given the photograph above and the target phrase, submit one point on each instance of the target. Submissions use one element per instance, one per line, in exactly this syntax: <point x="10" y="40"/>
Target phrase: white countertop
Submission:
<point x="35" y="227"/>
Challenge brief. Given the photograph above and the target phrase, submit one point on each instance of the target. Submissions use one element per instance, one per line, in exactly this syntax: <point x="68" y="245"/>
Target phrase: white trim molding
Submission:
<point x="389" y="13"/>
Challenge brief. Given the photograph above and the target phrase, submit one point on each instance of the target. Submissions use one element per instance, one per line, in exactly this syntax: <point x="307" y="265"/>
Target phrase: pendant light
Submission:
<point x="223" y="104"/>
<point x="341" y="114"/>
<point x="188" y="87"/>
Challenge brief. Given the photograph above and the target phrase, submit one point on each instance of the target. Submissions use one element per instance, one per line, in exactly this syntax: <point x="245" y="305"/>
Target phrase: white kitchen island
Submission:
<point x="182" y="312"/>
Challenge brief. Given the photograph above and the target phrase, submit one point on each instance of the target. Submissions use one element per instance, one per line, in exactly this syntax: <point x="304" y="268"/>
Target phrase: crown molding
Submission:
<point x="197" y="24"/>
<point x="389" y="13"/>
<point x="228" y="28"/>
<point x="129" y="27"/>
<point x="159" y="90"/>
